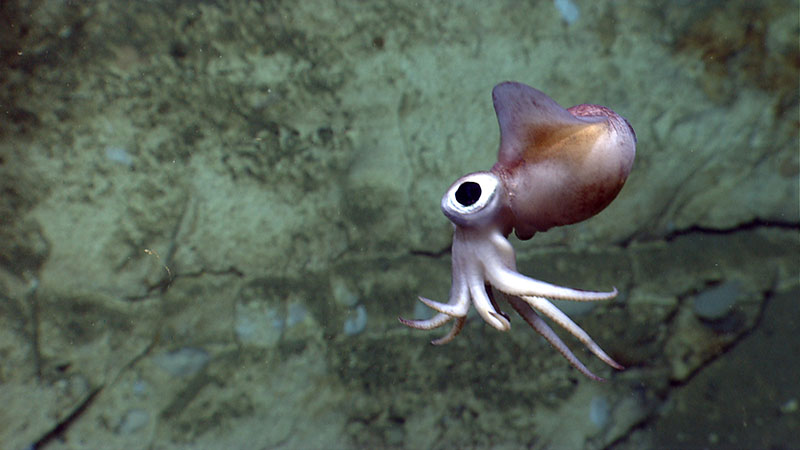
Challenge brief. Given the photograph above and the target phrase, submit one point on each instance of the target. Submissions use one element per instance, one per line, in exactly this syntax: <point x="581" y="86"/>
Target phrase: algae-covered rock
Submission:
<point x="254" y="187"/>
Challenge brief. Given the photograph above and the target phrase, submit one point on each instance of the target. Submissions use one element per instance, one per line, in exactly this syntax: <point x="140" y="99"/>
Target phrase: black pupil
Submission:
<point x="468" y="193"/>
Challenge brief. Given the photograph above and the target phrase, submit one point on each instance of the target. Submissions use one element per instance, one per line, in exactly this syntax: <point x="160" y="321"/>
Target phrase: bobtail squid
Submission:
<point x="555" y="167"/>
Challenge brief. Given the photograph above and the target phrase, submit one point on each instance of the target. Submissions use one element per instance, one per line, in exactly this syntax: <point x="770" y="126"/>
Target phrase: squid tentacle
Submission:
<point x="457" y="326"/>
<point x="548" y="309"/>
<point x="485" y="308"/>
<point x="439" y="320"/>
<point x="514" y="283"/>
<point x="541" y="327"/>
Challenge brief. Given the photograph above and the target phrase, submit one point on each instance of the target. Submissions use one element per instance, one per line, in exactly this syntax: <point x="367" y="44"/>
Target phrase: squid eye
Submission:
<point x="473" y="200"/>
<point x="468" y="193"/>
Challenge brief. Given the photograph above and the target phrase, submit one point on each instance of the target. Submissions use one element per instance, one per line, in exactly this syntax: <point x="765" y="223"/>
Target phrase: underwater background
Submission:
<point x="213" y="212"/>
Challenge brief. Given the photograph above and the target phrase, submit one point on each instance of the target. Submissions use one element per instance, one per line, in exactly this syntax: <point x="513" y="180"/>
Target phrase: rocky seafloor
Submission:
<point x="212" y="214"/>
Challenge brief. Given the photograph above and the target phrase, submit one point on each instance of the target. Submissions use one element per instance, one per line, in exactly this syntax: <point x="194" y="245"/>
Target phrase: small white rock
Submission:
<point x="356" y="321"/>
<point x="569" y="11"/>
<point x="343" y="294"/>
<point x="599" y="411"/>
<point x="119" y="155"/>
<point x="134" y="420"/>
<point x="182" y="362"/>
<point x="789" y="406"/>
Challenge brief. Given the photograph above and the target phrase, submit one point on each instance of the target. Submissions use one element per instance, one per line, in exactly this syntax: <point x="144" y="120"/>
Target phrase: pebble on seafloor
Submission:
<point x="356" y="321"/>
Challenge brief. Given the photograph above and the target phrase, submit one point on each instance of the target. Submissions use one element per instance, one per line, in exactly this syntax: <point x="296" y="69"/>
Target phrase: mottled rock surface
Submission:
<point x="212" y="214"/>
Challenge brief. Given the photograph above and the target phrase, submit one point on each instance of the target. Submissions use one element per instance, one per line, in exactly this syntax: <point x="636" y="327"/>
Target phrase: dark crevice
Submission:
<point x="61" y="428"/>
<point x="162" y="286"/>
<point x="669" y="237"/>
<point x="432" y="254"/>
<point x="58" y="431"/>
<point x="755" y="224"/>
<point x="729" y="346"/>
<point x="656" y="415"/>
<point x="747" y="226"/>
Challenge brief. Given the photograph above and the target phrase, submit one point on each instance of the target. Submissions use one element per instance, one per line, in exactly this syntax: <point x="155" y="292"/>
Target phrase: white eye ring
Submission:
<point x="473" y="200"/>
